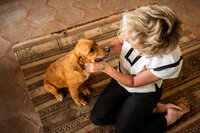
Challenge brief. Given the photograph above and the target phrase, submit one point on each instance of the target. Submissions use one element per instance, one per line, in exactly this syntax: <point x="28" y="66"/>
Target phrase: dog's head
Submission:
<point x="88" y="51"/>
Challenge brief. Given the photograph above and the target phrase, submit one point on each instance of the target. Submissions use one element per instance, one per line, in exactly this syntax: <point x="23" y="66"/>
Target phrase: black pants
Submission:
<point x="129" y="112"/>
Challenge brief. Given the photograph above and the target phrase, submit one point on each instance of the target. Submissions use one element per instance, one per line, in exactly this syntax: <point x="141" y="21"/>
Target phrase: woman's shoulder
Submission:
<point x="169" y="58"/>
<point x="168" y="65"/>
<point x="173" y="55"/>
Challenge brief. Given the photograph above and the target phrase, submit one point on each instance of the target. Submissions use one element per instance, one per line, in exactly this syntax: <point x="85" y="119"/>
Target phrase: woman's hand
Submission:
<point x="96" y="67"/>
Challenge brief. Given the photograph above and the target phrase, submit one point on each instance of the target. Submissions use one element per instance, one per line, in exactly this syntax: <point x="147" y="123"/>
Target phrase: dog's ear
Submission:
<point x="81" y="62"/>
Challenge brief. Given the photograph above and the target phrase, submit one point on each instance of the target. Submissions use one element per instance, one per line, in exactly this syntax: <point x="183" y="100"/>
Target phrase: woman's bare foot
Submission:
<point x="161" y="108"/>
<point x="173" y="114"/>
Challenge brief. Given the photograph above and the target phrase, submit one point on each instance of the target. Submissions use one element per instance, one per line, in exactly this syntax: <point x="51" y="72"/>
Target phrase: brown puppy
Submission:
<point x="69" y="70"/>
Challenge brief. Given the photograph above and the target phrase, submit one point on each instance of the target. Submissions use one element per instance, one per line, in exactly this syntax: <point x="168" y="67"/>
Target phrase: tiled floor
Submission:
<point x="25" y="19"/>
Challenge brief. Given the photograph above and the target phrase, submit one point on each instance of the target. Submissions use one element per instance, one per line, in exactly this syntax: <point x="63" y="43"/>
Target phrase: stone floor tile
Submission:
<point x="193" y="4"/>
<point x="18" y="124"/>
<point x="40" y="15"/>
<point x="5" y="4"/>
<point x="87" y="4"/>
<point x="175" y="5"/>
<point x="18" y="79"/>
<point x="59" y="4"/>
<point x="137" y="3"/>
<point x="198" y="32"/>
<point x="3" y="45"/>
<point x="32" y="3"/>
<point x="7" y="70"/>
<point x="190" y="17"/>
<point x="48" y="28"/>
<point x="9" y="54"/>
<point x="70" y="16"/>
<point x="93" y="14"/>
<point x="2" y="26"/>
<point x="11" y="100"/>
<point x="12" y="15"/>
<point x="113" y="6"/>
<point x="17" y="32"/>
<point x="30" y="112"/>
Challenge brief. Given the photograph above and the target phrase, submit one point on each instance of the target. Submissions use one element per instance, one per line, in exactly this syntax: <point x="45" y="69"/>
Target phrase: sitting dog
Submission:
<point x="69" y="71"/>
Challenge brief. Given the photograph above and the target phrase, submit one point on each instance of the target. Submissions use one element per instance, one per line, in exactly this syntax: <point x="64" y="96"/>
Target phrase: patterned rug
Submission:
<point x="37" y="54"/>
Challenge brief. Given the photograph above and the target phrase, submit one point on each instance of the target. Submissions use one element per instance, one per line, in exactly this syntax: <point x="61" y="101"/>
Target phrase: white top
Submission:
<point x="165" y="67"/>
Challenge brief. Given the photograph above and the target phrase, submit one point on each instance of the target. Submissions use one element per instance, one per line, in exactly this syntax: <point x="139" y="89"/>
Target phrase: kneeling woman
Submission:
<point x="148" y="40"/>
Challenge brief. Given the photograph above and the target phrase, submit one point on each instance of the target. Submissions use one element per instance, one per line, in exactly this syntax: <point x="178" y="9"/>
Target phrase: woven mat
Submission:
<point x="37" y="54"/>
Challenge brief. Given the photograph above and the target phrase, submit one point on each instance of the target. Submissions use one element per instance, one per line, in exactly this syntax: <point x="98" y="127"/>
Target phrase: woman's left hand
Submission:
<point x="95" y="67"/>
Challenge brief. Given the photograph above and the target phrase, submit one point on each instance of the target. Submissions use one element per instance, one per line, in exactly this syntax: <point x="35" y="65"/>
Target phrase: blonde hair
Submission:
<point x="155" y="27"/>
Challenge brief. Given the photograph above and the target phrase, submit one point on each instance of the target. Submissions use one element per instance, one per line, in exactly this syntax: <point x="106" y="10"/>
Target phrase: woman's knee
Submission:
<point x="97" y="120"/>
<point x="101" y="119"/>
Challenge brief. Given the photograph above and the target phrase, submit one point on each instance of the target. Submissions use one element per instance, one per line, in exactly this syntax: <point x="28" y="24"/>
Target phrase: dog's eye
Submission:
<point x="91" y="50"/>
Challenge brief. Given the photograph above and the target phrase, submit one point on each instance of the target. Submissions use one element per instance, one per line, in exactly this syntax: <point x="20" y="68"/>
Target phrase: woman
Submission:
<point x="148" y="42"/>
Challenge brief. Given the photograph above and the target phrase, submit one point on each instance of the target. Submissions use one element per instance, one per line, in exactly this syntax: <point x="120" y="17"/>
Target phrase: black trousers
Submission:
<point x="129" y="112"/>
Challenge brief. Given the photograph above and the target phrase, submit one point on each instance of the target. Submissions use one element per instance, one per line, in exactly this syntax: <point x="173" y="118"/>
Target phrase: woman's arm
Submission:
<point x="143" y="78"/>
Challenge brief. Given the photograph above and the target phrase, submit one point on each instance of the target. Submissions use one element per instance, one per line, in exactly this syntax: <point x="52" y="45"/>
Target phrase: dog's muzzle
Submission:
<point x="107" y="50"/>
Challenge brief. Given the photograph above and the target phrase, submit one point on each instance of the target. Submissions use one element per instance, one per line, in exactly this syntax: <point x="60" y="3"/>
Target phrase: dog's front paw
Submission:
<point x="80" y="102"/>
<point x="59" y="97"/>
<point x="86" y="91"/>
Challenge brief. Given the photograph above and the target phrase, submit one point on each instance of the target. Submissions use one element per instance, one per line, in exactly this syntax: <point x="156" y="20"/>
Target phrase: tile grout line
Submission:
<point x="103" y="11"/>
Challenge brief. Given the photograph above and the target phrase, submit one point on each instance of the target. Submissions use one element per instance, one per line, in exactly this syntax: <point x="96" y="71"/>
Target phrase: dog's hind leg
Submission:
<point x="53" y="90"/>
